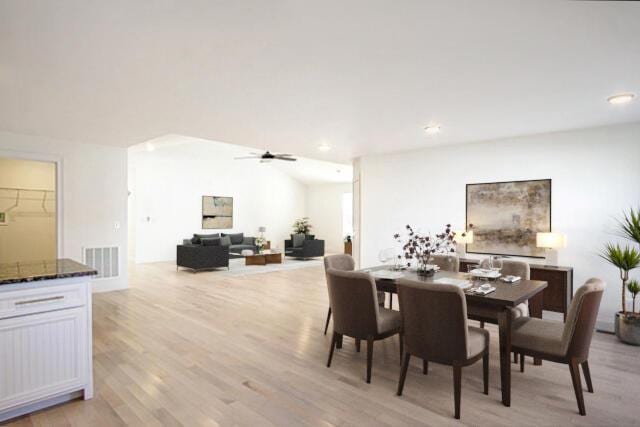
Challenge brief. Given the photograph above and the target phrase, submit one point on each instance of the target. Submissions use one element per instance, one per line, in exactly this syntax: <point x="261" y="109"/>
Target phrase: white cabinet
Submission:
<point x="45" y="344"/>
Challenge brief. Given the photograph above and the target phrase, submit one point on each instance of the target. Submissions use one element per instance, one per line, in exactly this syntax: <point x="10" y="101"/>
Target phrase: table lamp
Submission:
<point x="550" y="242"/>
<point x="462" y="241"/>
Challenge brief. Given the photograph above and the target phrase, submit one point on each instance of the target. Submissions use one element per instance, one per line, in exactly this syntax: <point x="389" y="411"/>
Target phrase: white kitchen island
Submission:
<point x="45" y="335"/>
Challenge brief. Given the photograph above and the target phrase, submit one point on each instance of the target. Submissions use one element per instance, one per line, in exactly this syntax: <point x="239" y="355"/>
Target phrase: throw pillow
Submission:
<point x="196" y="239"/>
<point x="210" y="241"/>
<point x="298" y="240"/>
<point x="225" y="241"/>
<point x="236" y="239"/>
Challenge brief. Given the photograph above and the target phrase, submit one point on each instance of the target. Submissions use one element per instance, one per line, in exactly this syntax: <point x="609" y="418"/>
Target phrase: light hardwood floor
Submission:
<point x="200" y="349"/>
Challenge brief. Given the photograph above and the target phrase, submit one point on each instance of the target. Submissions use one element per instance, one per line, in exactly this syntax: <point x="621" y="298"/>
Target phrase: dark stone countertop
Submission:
<point x="31" y="271"/>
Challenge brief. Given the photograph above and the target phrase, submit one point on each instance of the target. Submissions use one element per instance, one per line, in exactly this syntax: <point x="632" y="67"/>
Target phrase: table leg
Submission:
<point x="504" y="325"/>
<point x="535" y="310"/>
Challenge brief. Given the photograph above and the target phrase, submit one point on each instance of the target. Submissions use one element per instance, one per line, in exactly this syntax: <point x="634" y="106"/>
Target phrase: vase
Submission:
<point x="627" y="328"/>
<point x="423" y="268"/>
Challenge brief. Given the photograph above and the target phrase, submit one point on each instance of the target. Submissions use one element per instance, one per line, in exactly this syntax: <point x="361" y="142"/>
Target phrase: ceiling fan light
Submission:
<point x="324" y="147"/>
<point x="621" y="98"/>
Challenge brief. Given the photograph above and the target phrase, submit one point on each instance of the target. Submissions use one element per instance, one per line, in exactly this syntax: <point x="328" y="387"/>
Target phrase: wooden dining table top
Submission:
<point x="505" y="295"/>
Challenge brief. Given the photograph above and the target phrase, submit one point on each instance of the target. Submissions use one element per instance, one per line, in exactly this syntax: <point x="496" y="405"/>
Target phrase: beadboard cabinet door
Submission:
<point x="42" y="355"/>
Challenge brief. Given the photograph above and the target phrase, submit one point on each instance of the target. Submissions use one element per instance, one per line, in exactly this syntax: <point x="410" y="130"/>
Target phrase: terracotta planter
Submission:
<point x="628" y="329"/>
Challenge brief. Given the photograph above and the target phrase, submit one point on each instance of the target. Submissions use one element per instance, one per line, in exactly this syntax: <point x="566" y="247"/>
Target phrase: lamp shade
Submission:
<point x="262" y="229"/>
<point x="467" y="238"/>
<point x="551" y="240"/>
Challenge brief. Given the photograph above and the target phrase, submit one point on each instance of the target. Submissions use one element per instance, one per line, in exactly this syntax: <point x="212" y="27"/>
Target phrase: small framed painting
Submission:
<point x="217" y="212"/>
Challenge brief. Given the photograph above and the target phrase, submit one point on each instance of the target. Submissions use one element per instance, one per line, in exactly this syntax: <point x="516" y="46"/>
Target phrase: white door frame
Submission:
<point x="59" y="162"/>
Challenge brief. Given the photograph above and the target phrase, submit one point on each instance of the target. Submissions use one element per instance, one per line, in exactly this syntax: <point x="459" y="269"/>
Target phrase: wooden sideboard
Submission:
<point x="559" y="292"/>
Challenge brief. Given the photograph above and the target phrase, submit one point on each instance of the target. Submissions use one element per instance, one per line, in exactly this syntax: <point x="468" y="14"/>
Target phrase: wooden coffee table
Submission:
<point x="263" y="259"/>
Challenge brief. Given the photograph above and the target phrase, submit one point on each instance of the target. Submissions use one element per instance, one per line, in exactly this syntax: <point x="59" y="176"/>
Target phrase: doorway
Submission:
<point x="28" y="210"/>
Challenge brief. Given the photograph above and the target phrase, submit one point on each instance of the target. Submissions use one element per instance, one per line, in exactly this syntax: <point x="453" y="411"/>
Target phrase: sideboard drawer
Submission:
<point x="40" y="300"/>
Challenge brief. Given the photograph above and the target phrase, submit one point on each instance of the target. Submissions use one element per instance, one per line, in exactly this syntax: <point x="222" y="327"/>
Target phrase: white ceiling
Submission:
<point x="304" y="170"/>
<point x="363" y="76"/>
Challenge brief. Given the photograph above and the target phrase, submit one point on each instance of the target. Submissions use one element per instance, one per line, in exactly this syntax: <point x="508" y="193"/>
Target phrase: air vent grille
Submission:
<point x="104" y="260"/>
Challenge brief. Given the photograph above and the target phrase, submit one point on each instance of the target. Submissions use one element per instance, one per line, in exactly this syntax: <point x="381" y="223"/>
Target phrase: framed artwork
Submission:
<point x="217" y="212"/>
<point x="507" y="215"/>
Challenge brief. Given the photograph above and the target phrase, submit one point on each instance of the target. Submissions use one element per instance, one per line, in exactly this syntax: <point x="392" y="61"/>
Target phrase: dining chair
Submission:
<point x="357" y="314"/>
<point x="513" y="268"/>
<point x="434" y="319"/>
<point x="343" y="262"/>
<point x="566" y="343"/>
<point x="447" y="262"/>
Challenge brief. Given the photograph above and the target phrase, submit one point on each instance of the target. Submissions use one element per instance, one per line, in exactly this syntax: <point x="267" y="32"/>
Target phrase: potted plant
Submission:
<point x="420" y="247"/>
<point x="627" y="323"/>
<point x="260" y="242"/>
<point x="302" y="226"/>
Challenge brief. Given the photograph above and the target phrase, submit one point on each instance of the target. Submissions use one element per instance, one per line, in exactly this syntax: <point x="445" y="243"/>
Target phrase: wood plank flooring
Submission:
<point x="200" y="349"/>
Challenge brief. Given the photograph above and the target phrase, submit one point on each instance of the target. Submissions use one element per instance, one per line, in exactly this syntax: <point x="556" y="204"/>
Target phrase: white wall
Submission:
<point x="94" y="194"/>
<point x="594" y="172"/>
<point x="30" y="231"/>
<point x="167" y="186"/>
<point x="324" y="209"/>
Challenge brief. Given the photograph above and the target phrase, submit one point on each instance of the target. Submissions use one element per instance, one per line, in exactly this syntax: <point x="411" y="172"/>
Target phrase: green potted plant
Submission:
<point x="627" y="323"/>
<point x="302" y="226"/>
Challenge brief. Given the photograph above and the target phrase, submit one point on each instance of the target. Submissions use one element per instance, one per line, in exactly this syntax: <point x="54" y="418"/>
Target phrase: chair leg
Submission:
<point x="457" y="386"/>
<point x="401" y="345"/>
<point x="425" y="366"/>
<point x="403" y="373"/>
<point x="521" y="362"/>
<point x="485" y="372"/>
<point x="334" y="341"/>
<point x="482" y="324"/>
<point x="515" y="357"/>
<point x="358" y="345"/>
<point x="326" y="325"/>
<point x="587" y="375"/>
<point x="369" y="358"/>
<point x="577" y="385"/>
<point x="339" y="342"/>
<point x="390" y="300"/>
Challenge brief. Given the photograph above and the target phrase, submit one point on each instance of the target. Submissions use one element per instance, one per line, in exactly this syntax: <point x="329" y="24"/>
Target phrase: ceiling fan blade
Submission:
<point x="284" y="155"/>
<point x="290" y="159"/>
<point x="246" y="157"/>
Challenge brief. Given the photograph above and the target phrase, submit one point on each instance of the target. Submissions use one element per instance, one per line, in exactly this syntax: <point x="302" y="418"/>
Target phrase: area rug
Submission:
<point x="237" y="266"/>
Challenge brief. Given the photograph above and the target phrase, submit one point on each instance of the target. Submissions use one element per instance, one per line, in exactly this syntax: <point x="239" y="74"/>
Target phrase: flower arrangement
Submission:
<point x="420" y="246"/>
<point x="302" y="226"/>
<point x="260" y="242"/>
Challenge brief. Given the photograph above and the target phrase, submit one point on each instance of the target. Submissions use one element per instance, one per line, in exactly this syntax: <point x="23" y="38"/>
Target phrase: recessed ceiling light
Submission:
<point x="432" y="129"/>
<point x="324" y="147"/>
<point x="150" y="146"/>
<point x="621" y="98"/>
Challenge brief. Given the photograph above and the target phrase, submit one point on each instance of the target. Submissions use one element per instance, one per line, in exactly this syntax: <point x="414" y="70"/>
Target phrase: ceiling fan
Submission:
<point x="267" y="157"/>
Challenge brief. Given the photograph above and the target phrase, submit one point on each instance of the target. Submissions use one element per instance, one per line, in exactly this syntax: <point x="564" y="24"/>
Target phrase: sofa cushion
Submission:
<point x="298" y="240"/>
<point x="196" y="239"/>
<point x="210" y="241"/>
<point x="236" y="239"/>
<point x="309" y="236"/>
<point x="225" y="241"/>
<point x="249" y="241"/>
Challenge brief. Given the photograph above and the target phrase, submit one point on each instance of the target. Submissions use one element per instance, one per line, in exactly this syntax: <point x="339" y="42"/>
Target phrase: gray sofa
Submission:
<point x="208" y="251"/>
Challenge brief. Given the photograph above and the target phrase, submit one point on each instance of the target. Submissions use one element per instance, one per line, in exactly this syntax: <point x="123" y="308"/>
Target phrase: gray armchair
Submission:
<point x="307" y="248"/>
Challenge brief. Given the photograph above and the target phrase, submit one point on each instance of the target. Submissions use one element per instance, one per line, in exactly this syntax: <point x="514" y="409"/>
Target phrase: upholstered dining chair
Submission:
<point x="343" y="262"/>
<point x="513" y="268"/>
<point x="563" y="343"/>
<point x="357" y="314"/>
<point x="447" y="262"/>
<point x="434" y="319"/>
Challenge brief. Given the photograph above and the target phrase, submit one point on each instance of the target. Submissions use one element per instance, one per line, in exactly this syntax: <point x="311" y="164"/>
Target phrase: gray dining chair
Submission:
<point x="434" y="319"/>
<point x="447" y="262"/>
<point x="357" y="314"/>
<point x="560" y="342"/>
<point x="343" y="262"/>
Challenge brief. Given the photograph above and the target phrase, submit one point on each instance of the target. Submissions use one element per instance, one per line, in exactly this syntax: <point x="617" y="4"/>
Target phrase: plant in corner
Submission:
<point x="627" y="323"/>
<point x="302" y="226"/>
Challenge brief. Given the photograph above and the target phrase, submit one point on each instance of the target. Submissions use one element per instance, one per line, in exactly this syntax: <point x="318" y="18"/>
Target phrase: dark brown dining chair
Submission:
<point x="357" y="314"/>
<point x="447" y="262"/>
<point x="434" y="319"/>
<point x="563" y="343"/>
<point x="343" y="262"/>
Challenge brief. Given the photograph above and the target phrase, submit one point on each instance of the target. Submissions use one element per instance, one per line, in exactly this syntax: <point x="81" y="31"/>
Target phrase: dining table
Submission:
<point x="494" y="307"/>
